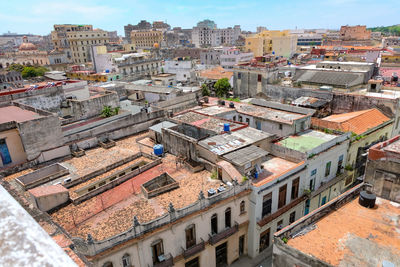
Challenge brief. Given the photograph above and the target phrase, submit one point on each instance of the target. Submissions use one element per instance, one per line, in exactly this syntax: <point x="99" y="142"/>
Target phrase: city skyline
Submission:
<point x="25" y="18"/>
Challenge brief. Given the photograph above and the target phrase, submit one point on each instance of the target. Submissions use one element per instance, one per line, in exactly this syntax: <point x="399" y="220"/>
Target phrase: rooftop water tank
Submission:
<point x="231" y="105"/>
<point x="226" y="127"/>
<point x="367" y="199"/>
<point x="211" y="192"/>
<point x="158" y="150"/>
<point x="107" y="71"/>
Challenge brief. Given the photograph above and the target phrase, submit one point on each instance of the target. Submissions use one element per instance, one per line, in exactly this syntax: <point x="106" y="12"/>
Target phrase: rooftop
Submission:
<point x="216" y="73"/>
<point x="306" y="141"/>
<point x="48" y="190"/>
<point x="207" y="122"/>
<point x="358" y="122"/>
<point x="354" y="236"/>
<point x="330" y="77"/>
<point x="273" y="168"/>
<point x="245" y="155"/>
<point x="13" y="113"/>
<point x="225" y="143"/>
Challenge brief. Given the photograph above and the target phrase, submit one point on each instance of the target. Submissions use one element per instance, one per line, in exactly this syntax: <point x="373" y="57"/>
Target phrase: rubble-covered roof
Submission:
<point x="353" y="235"/>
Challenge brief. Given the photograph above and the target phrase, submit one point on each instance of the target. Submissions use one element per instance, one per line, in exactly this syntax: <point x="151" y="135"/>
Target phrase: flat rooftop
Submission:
<point x="112" y="212"/>
<point x="274" y="167"/>
<point x="245" y="155"/>
<point x="393" y="147"/>
<point x="306" y="141"/>
<point x="13" y="113"/>
<point x="207" y="122"/>
<point x="355" y="236"/>
<point x="225" y="143"/>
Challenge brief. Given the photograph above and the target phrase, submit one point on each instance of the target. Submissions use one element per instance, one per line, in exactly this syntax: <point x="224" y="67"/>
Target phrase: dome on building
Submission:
<point x="26" y="46"/>
<point x="156" y="45"/>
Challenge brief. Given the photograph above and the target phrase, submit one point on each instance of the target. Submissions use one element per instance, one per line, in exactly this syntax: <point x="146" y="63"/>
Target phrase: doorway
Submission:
<point x="221" y="255"/>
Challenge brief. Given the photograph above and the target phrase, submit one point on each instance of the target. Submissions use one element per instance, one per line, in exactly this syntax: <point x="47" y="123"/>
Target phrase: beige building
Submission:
<point x="59" y="35"/>
<point x="81" y="43"/>
<point x="280" y="43"/>
<point x="146" y="39"/>
<point x="355" y="33"/>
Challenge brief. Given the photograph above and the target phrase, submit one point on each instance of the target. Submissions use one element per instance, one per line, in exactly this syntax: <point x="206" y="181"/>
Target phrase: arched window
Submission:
<point x="108" y="264"/>
<point x="126" y="260"/>
<point x="228" y="218"/>
<point x="242" y="207"/>
<point x="214" y="224"/>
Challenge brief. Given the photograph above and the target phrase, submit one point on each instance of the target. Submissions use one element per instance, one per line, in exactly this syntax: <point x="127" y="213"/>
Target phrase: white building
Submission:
<point x="210" y="37"/>
<point x="182" y="69"/>
<point x="232" y="56"/>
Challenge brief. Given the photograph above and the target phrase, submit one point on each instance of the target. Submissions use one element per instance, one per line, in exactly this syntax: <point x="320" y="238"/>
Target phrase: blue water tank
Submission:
<point x="158" y="150"/>
<point x="256" y="175"/>
<point x="226" y="127"/>
<point x="107" y="71"/>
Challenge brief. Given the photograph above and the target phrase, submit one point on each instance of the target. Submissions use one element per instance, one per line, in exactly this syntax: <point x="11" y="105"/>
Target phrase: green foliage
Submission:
<point x="392" y="30"/>
<point x="29" y="71"/>
<point x="214" y="175"/>
<point x="16" y="67"/>
<point x="108" y="111"/>
<point x="285" y="240"/>
<point x="297" y="84"/>
<point x="311" y="156"/>
<point x="348" y="167"/>
<point x="204" y="90"/>
<point x="233" y="99"/>
<point x="222" y="87"/>
<point x="307" y="192"/>
<point x="328" y="131"/>
<point x="162" y="69"/>
<point x="244" y="178"/>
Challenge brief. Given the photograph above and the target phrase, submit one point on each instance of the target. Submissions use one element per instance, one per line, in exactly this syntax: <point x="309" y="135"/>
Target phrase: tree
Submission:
<point x="222" y="87"/>
<point x="29" y="72"/>
<point x="204" y="90"/>
<point x="16" y="67"/>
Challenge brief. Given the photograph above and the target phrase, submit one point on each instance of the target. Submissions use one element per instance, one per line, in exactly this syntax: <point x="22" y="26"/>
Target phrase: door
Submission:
<point x="387" y="188"/>
<point x="241" y="245"/>
<point x="221" y="255"/>
<point x="307" y="208"/>
<point x="4" y="153"/>
<point x="323" y="201"/>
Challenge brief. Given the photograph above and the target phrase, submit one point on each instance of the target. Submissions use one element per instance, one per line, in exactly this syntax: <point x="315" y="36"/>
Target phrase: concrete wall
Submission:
<point x="14" y="144"/>
<point x="46" y="203"/>
<point x="46" y="99"/>
<point x="179" y="144"/>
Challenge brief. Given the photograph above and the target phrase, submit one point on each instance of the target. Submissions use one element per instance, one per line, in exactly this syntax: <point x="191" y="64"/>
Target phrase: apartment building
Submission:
<point x="206" y="34"/>
<point x="232" y="56"/>
<point x="81" y="43"/>
<point x="279" y="43"/>
<point x="146" y="39"/>
<point x="137" y="64"/>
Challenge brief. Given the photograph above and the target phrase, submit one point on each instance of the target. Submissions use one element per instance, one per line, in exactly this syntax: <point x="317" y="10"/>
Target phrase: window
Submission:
<point x="239" y="76"/>
<point x="267" y="203"/>
<point x="240" y="118"/>
<point x="234" y="118"/>
<point x="193" y="263"/>
<point x="282" y="196"/>
<point x="4" y="153"/>
<point x="258" y="125"/>
<point x="190" y="234"/>
<point x="340" y="163"/>
<point x="292" y="217"/>
<point x="228" y="218"/>
<point x="126" y="260"/>
<point x="214" y="224"/>
<point x="108" y="264"/>
<point x="259" y="78"/>
<point x="307" y="207"/>
<point x="295" y="188"/>
<point x="323" y="201"/>
<point x="241" y="245"/>
<point x="328" y="168"/>
<point x="157" y="251"/>
<point x="279" y="225"/>
<point x="264" y="240"/>
<point x="280" y="126"/>
<point x="247" y="120"/>
<point x="312" y="184"/>
<point x="242" y="207"/>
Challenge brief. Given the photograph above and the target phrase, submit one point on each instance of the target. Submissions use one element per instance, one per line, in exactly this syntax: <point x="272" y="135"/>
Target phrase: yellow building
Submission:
<point x="59" y="35"/>
<point x="146" y="39"/>
<point x="81" y="43"/>
<point x="281" y="43"/>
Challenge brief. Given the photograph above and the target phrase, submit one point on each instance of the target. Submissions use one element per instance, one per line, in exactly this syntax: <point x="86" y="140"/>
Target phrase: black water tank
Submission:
<point x="223" y="102"/>
<point x="367" y="199"/>
<point x="231" y="105"/>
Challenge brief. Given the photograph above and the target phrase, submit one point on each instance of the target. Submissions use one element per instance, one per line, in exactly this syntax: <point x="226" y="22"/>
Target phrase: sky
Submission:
<point x="39" y="16"/>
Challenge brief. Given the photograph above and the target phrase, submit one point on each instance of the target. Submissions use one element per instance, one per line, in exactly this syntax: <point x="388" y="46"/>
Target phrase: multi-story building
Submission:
<point x="137" y="64"/>
<point x="232" y="56"/>
<point x="279" y="43"/>
<point x="146" y="39"/>
<point x="182" y="69"/>
<point x="206" y="34"/>
<point x="141" y="26"/>
<point x="161" y="26"/>
<point x="355" y="33"/>
<point x="81" y="43"/>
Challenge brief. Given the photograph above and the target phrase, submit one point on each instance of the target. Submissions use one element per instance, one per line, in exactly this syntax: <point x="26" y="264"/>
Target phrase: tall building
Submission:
<point x="142" y="25"/>
<point x="355" y="33"/>
<point x="280" y="43"/>
<point x="146" y="39"/>
<point x="206" y="34"/>
<point x="81" y="43"/>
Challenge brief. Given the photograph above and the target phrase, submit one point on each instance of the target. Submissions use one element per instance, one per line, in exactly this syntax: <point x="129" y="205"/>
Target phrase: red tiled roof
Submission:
<point x="357" y="122"/>
<point x="48" y="190"/>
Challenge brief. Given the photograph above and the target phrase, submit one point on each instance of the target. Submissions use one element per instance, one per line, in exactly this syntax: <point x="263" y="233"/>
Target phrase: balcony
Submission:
<point x="224" y="234"/>
<point x="168" y="261"/>
<point x="194" y="249"/>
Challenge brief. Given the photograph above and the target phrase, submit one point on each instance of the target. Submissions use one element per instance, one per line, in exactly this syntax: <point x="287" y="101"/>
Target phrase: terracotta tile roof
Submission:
<point x="216" y="73"/>
<point x="357" y="122"/>
<point x="48" y="190"/>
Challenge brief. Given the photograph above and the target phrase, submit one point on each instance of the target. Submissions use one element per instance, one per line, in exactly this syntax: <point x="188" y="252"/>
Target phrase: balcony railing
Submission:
<point x="224" y="234"/>
<point x="167" y="262"/>
<point x="194" y="249"/>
